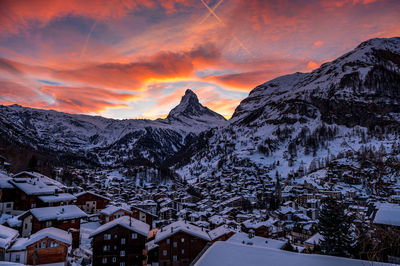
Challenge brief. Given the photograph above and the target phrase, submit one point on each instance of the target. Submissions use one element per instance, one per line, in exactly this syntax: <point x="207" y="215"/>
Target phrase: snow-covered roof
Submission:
<point x="36" y="184"/>
<point x="92" y="193"/>
<point x="4" y="181"/>
<point x="388" y="214"/>
<point x="112" y="209"/>
<point x="181" y="226"/>
<point x="223" y="253"/>
<point x="126" y="222"/>
<point x="60" y="213"/>
<point x="62" y="197"/>
<point x="220" y="231"/>
<point x="51" y="232"/>
<point x="244" y="239"/>
<point x="315" y="239"/>
<point x="255" y="224"/>
<point x="7" y="236"/>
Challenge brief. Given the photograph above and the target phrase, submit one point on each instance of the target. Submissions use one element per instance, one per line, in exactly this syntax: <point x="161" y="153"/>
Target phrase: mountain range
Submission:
<point x="297" y="123"/>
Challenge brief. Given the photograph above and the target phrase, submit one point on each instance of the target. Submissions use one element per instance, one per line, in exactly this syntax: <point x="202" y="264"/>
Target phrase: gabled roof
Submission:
<point x="181" y="226"/>
<point x="7" y="236"/>
<point x="59" y="213"/>
<point x="5" y="181"/>
<point x="112" y="209"/>
<point x="36" y="184"/>
<point x="51" y="232"/>
<point x="62" y="197"/>
<point x="126" y="222"/>
<point x="92" y="193"/>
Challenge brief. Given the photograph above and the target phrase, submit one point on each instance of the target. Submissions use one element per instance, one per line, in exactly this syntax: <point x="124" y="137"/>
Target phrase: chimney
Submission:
<point x="172" y="229"/>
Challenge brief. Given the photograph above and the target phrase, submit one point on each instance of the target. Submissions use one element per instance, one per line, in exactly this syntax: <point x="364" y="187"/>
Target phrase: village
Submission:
<point x="119" y="218"/>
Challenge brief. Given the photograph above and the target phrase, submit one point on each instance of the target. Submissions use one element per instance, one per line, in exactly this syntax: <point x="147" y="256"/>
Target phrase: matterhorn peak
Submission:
<point x="190" y="107"/>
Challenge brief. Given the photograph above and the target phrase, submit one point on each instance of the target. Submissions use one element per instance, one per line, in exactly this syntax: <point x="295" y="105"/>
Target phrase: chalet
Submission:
<point x="121" y="242"/>
<point x="143" y="215"/>
<point x="259" y="228"/>
<point x="7" y="238"/>
<point x="147" y="205"/>
<point x="7" y="194"/>
<point x="313" y="241"/>
<point x="167" y="213"/>
<point x="221" y="233"/>
<point x="387" y="215"/>
<point x="29" y="186"/>
<point x="62" y="217"/>
<point x="113" y="212"/>
<point x="56" y="200"/>
<point x="47" y="246"/>
<point x="180" y="242"/>
<point x="91" y="202"/>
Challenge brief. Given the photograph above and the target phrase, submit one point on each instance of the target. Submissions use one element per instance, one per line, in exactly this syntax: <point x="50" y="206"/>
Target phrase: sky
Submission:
<point x="135" y="58"/>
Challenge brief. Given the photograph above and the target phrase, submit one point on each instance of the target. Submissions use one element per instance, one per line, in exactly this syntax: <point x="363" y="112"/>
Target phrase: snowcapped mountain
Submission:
<point x="346" y="113"/>
<point x="298" y="123"/>
<point x="107" y="140"/>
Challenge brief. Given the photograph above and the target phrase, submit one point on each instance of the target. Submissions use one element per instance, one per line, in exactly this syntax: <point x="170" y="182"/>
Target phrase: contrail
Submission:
<point x="209" y="14"/>
<point x="87" y="38"/>
<point x="220" y="21"/>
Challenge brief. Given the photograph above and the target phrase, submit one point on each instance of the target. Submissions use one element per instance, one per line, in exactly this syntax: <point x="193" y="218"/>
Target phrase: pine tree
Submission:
<point x="334" y="226"/>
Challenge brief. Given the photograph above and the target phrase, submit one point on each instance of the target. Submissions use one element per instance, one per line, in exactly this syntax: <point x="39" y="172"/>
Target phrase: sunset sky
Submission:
<point x="135" y="59"/>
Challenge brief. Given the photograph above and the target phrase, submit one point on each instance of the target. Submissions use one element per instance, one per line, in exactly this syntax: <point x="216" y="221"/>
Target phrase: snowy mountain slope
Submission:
<point x="303" y="121"/>
<point x="108" y="140"/>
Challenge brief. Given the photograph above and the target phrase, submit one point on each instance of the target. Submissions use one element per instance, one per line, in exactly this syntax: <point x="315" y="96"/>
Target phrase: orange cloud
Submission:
<point x="318" y="43"/>
<point x="131" y="76"/>
<point x="84" y="100"/>
<point x="225" y="107"/>
<point x="17" y="15"/>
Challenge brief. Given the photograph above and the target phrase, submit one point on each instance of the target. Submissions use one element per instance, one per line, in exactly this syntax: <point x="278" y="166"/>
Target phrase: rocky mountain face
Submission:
<point x="107" y="141"/>
<point x="302" y="122"/>
<point x="347" y="112"/>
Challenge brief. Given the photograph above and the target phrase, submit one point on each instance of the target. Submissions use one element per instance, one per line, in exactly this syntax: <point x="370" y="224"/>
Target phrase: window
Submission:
<point x="107" y="236"/>
<point x="8" y="205"/>
<point x="182" y="240"/>
<point x="17" y="258"/>
<point x="122" y="240"/>
<point x="106" y="248"/>
<point x="115" y="236"/>
<point x="122" y="253"/>
<point x="26" y="226"/>
<point x="43" y="244"/>
<point x="164" y="252"/>
<point x="168" y="241"/>
<point x="175" y="258"/>
<point x="122" y="264"/>
<point x="134" y="235"/>
<point x="175" y="244"/>
<point x="48" y="223"/>
<point x="183" y="251"/>
<point x="53" y="244"/>
<point x="33" y="205"/>
<point x="114" y="259"/>
<point x="104" y="261"/>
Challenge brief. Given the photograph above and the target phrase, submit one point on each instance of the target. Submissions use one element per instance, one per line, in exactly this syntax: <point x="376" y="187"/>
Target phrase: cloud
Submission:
<point x="132" y="76"/>
<point x="318" y="43"/>
<point x="17" y="15"/>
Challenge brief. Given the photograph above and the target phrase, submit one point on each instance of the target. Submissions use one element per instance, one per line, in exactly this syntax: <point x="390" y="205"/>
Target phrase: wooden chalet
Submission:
<point x="120" y="242"/>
